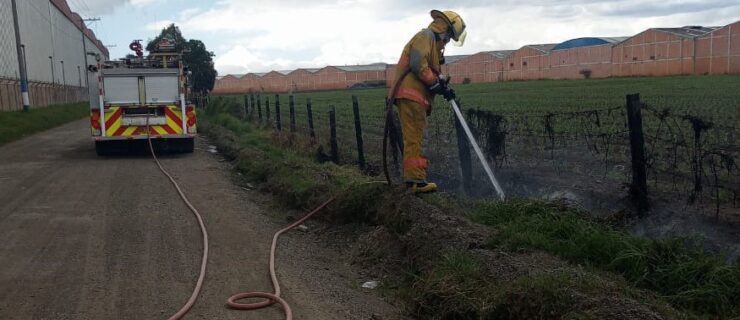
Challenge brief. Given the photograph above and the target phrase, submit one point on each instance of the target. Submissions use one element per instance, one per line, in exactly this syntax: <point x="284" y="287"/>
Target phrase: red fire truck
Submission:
<point x="140" y="98"/>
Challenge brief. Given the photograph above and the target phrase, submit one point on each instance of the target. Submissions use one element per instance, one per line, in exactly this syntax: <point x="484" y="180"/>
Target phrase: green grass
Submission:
<point x="18" y="124"/>
<point x="678" y="269"/>
<point x="290" y="175"/>
<point x="458" y="286"/>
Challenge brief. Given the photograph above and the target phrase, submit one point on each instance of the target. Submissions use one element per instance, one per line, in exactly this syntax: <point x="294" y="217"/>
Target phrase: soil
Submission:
<point x="85" y="237"/>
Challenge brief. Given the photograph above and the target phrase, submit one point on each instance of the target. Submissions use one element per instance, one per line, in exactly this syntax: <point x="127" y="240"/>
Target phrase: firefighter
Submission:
<point x="419" y="73"/>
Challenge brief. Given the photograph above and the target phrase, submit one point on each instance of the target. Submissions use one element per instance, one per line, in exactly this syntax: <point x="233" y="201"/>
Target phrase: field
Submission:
<point x="712" y="96"/>
<point x="560" y="138"/>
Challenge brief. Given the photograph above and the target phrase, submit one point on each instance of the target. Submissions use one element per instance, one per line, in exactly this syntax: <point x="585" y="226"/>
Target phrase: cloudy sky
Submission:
<point x="258" y="36"/>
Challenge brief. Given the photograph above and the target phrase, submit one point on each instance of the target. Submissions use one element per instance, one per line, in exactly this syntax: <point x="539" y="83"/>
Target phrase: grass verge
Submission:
<point x="609" y="274"/>
<point x="678" y="269"/>
<point x="18" y="124"/>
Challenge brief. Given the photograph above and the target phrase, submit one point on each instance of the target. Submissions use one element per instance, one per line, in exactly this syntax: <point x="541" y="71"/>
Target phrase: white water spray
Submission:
<point x="478" y="152"/>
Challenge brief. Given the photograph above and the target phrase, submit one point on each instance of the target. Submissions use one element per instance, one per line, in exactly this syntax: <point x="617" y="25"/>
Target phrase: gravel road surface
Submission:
<point x="85" y="237"/>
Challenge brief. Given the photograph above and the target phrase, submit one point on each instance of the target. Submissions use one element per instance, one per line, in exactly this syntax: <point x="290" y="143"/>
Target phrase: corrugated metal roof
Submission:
<point x="588" y="42"/>
<point x="688" y="31"/>
<point x="542" y="47"/>
<point x="453" y="59"/>
<point x="309" y="70"/>
<point x="230" y="76"/>
<point x="366" y="67"/>
<point x="284" y="72"/>
<point x="500" y="54"/>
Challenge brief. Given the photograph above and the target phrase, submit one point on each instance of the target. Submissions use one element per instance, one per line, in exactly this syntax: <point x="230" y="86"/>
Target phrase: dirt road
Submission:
<point x="83" y="237"/>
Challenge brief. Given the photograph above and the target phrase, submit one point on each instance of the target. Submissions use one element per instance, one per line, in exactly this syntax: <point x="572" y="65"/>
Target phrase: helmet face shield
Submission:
<point x="455" y="25"/>
<point x="460" y="40"/>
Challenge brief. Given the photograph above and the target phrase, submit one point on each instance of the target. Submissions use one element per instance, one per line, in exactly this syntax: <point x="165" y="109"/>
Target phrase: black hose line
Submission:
<point x="389" y="123"/>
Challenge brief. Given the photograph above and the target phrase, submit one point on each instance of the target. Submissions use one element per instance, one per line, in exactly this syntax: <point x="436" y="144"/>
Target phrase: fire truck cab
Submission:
<point x="141" y="98"/>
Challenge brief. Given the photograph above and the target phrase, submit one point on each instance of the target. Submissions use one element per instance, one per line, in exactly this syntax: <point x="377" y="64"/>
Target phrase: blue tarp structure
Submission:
<point x="587" y="42"/>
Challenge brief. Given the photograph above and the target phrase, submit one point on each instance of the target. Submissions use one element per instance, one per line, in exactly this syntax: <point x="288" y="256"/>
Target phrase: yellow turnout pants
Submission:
<point x="413" y="123"/>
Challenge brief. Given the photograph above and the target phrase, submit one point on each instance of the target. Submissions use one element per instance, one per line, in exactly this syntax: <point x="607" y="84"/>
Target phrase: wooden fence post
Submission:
<point x="463" y="150"/>
<point x="638" y="189"/>
<point x="267" y="108"/>
<point x="333" y="135"/>
<point x="259" y="107"/>
<point x="395" y="140"/>
<point x="309" y="111"/>
<point x="358" y="133"/>
<point x="277" y="113"/>
<point x="251" y="101"/>
<point x="291" y="105"/>
<point x="246" y="106"/>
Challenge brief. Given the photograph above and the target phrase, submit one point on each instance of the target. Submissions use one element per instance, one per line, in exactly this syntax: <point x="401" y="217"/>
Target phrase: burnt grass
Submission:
<point x="452" y="258"/>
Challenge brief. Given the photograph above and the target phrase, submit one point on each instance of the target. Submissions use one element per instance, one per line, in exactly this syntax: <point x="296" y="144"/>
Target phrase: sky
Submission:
<point x="260" y="36"/>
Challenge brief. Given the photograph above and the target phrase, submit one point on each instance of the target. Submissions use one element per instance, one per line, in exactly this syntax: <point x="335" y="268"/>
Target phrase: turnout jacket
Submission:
<point x="423" y="58"/>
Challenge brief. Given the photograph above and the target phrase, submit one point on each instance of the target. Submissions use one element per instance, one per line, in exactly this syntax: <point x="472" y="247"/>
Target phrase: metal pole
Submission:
<point x="477" y="149"/>
<point x="84" y="49"/>
<point x="21" y="62"/>
<point x="79" y="74"/>
<point x="51" y="64"/>
<point x="64" y="82"/>
<point x="83" y="26"/>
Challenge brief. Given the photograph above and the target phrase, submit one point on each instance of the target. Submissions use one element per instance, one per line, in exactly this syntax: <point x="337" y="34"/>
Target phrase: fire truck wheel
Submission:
<point x="186" y="145"/>
<point x="103" y="148"/>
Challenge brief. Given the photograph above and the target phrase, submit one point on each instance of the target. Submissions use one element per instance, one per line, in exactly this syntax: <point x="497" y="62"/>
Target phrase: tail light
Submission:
<point x="190" y="114"/>
<point x="95" y="122"/>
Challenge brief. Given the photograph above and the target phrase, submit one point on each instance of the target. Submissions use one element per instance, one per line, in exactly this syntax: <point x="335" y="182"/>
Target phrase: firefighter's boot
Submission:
<point x="424" y="187"/>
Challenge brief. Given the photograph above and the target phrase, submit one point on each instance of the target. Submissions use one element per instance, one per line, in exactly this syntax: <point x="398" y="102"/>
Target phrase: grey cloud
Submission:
<point x="96" y="7"/>
<point x="663" y="8"/>
<point x="564" y="8"/>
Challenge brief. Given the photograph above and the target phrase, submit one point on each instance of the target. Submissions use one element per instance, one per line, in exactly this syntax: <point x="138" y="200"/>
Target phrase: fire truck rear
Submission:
<point x="141" y="98"/>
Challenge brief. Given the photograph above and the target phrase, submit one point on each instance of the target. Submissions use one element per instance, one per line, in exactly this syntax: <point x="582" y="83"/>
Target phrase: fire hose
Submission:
<point x="233" y="301"/>
<point x="204" y="259"/>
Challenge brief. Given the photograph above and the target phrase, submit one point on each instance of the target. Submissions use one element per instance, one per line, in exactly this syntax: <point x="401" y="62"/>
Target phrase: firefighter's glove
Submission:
<point x="449" y="94"/>
<point x="442" y="87"/>
<point x="438" y="87"/>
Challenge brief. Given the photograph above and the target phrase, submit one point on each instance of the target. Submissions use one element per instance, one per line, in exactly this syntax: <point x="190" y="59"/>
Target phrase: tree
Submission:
<point x="171" y="32"/>
<point x="195" y="56"/>
<point x="200" y="62"/>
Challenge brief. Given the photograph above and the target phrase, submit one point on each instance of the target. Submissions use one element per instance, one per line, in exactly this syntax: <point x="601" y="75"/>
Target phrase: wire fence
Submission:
<point x="589" y="156"/>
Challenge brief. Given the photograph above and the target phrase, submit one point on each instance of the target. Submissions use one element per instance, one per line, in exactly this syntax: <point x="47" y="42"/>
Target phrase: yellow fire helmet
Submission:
<point x="455" y="24"/>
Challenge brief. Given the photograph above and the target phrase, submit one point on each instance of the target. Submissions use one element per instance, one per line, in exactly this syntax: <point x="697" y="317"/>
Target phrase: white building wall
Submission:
<point x="33" y="18"/>
<point x="8" y="56"/>
<point x="45" y="32"/>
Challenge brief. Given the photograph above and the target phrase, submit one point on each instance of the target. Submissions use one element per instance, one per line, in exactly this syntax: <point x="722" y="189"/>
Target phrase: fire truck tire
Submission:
<point x="186" y="145"/>
<point x="103" y="148"/>
<point x="189" y="145"/>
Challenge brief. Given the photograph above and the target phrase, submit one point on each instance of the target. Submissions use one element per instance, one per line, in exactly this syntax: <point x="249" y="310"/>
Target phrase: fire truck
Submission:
<point x="140" y="98"/>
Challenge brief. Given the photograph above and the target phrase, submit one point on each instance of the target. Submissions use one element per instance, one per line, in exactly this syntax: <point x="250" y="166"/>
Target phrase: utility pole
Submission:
<point x="21" y="62"/>
<point x="83" y="26"/>
<point x="79" y="75"/>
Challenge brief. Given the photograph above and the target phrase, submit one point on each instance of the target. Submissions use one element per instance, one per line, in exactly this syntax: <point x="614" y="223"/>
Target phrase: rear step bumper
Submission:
<point x="144" y="137"/>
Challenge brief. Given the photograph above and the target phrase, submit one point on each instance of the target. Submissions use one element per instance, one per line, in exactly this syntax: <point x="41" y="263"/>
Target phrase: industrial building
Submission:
<point x="52" y="42"/>
<point x="654" y="52"/>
